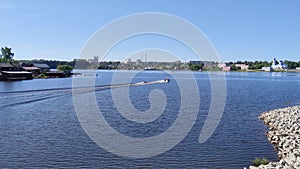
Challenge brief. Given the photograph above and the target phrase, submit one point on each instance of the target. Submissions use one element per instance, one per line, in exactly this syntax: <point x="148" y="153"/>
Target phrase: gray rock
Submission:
<point x="284" y="134"/>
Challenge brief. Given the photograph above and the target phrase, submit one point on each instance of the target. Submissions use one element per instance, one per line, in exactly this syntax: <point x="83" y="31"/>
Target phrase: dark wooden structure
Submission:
<point x="42" y="66"/>
<point x="13" y="71"/>
<point x="34" y="70"/>
<point x="55" y="74"/>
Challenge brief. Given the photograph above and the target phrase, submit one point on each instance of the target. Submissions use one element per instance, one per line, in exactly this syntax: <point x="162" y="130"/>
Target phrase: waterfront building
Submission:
<point x="226" y="68"/>
<point x="42" y="66"/>
<point x="267" y="69"/>
<point x="34" y="70"/>
<point x="242" y="66"/>
<point x="221" y="65"/>
<point x="278" y="65"/>
<point x="13" y="71"/>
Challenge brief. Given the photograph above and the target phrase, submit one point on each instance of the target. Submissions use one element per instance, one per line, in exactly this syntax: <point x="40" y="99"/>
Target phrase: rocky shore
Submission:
<point x="284" y="134"/>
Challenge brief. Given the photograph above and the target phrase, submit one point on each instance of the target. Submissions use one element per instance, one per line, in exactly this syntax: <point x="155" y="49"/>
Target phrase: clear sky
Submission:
<point x="239" y="29"/>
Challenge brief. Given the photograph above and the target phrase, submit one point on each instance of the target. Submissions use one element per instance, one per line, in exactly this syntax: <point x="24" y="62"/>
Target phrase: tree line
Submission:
<point x="51" y="63"/>
<point x="7" y="56"/>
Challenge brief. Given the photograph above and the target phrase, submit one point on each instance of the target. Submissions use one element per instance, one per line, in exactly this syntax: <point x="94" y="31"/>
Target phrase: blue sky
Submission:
<point x="239" y="29"/>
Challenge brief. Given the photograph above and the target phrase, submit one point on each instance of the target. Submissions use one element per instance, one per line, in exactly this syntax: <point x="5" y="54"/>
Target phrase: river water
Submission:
<point x="39" y="127"/>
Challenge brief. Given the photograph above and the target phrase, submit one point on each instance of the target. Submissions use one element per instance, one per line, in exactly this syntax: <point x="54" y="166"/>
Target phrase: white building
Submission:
<point x="242" y="66"/>
<point x="127" y="61"/>
<point x="267" y="69"/>
<point x="278" y="65"/>
<point x="221" y="65"/>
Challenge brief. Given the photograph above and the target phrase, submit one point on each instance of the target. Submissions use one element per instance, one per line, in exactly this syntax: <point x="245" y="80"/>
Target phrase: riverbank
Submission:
<point x="284" y="134"/>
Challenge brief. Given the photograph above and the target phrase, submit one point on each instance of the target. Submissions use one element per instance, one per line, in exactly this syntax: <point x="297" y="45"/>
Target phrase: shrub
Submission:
<point x="260" y="161"/>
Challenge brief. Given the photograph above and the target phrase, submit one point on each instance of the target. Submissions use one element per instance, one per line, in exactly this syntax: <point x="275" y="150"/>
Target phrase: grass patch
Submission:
<point x="260" y="161"/>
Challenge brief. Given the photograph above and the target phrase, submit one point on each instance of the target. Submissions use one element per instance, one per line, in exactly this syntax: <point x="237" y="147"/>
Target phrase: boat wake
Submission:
<point x="12" y="98"/>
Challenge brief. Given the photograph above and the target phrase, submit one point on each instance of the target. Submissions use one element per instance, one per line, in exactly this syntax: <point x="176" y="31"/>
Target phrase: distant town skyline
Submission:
<point x="239" y="30"/>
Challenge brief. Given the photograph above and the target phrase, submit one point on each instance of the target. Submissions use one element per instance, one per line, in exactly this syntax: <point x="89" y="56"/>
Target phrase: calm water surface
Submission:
<point x="40" y="129"/>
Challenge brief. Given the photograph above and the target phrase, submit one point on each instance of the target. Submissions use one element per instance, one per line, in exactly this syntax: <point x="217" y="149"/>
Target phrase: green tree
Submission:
<point x="6" y="53"/>
<point x="291" y="64"/>
<point x="66" y="69"/>
<point x="259" y="64"/>
<point x="196" y="67"/>
<point x="233" y="67"/>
